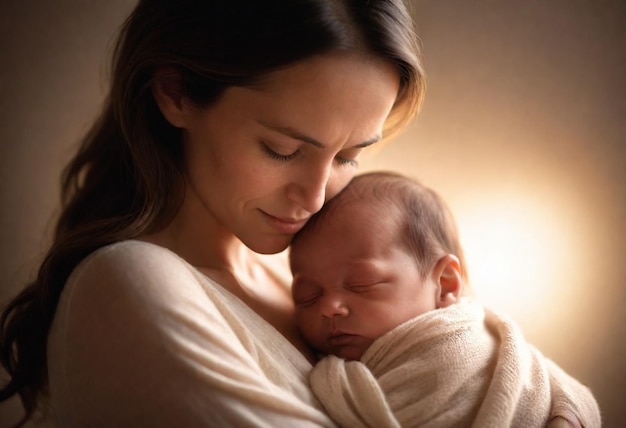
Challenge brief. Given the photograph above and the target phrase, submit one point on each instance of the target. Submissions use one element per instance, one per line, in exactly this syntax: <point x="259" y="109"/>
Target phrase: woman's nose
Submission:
<point x="332" y="306"/>
<point x="309" y="189"/>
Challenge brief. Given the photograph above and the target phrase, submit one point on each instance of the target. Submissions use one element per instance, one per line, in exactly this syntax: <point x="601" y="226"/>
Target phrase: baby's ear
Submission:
<point x="447" y="275"/>
<point x="166" y="89"/>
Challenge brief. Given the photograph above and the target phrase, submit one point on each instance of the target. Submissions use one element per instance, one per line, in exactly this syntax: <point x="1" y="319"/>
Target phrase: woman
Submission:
<point x="228" y="124"/>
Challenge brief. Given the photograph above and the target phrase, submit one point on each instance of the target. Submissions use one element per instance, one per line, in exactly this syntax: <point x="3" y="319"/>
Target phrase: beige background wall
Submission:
<point x="523" y="132"/>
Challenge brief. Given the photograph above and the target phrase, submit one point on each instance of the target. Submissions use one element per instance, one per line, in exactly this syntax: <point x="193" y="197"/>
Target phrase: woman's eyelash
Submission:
<point x="283" y="158"/>
<point x="344" y="161"/>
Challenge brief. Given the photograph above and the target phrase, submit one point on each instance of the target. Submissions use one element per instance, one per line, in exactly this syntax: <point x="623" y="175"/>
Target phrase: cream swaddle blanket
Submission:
<point x="459" y="366"/>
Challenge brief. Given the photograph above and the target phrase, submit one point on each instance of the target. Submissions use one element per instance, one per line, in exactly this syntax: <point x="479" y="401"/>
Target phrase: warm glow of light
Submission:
<point x="517" y="251"/>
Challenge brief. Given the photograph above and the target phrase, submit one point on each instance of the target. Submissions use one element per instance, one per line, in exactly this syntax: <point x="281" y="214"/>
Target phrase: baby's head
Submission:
<point x="381" y="252"/>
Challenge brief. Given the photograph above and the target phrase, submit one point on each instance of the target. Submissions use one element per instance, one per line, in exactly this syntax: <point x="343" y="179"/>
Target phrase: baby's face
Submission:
<point x="354" y="281"/>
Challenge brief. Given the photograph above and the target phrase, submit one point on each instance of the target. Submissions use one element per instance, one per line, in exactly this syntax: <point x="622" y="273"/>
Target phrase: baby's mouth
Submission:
<point x="341" y="338"/>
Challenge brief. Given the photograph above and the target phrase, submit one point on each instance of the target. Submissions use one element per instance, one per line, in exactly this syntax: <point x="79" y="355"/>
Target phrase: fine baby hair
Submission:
<point x="426" y="226"/>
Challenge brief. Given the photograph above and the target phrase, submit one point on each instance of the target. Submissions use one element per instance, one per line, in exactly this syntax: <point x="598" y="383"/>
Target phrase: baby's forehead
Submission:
<point x="351" y="213"/>
<point x="368" y="200"/>
<point x="354" y="218"/>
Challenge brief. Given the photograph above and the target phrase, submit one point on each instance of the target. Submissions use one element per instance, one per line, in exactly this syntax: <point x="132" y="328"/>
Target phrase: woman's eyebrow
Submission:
<point x="294" y="133"/>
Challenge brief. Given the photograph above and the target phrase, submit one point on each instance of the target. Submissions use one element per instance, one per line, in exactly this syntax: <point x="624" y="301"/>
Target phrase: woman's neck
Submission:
<point x="196" y="236"/>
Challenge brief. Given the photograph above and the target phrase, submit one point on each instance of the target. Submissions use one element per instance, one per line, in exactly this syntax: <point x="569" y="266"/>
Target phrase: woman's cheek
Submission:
<point x="339" y="181"/>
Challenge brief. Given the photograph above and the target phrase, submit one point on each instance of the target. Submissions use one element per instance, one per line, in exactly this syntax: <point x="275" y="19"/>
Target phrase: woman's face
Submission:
<point x="353" y="279"/>
<point x="262" y="160"/>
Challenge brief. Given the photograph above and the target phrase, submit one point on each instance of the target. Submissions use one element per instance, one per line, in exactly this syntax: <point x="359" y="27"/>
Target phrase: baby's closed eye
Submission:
<point x="359" y="287"/>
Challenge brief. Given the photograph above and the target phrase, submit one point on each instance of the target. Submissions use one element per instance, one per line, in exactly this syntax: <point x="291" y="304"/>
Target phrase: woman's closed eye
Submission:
<point x="285" y="153"/>
<point x="345" y="161"/>
<point x="349" y="156"/>
<point x="279" y="154"/>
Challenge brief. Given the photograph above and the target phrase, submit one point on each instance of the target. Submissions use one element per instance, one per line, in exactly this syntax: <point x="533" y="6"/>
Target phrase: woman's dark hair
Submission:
<point x="127" y="177"/>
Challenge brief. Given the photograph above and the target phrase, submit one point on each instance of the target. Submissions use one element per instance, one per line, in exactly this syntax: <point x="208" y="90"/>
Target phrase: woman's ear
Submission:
<point x="447" y="276"/>
<point x="166" y="89"/>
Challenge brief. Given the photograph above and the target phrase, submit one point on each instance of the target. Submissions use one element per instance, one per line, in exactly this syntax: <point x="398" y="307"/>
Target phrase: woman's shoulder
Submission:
<point x="137" y="318"/>
<point x="129" y="296"/>
<point x="133" y="270"/>
<point x="131" y="256"/>
<point x="131" y="259"/>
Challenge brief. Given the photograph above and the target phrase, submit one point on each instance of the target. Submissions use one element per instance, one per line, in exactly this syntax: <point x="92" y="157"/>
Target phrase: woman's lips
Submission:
<point x="285" y="225"/>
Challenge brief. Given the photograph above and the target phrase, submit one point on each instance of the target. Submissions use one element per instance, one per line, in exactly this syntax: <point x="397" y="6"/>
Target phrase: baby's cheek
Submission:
<point x="310" y="330"/>
<point x="303" y="322"/>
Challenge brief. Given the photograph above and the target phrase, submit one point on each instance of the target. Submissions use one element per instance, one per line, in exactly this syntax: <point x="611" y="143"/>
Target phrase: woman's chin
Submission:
<point x="274" y="245"/>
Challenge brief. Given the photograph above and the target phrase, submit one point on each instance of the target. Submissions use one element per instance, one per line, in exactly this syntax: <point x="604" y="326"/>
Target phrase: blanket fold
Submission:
<point x="459" y="366"/>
